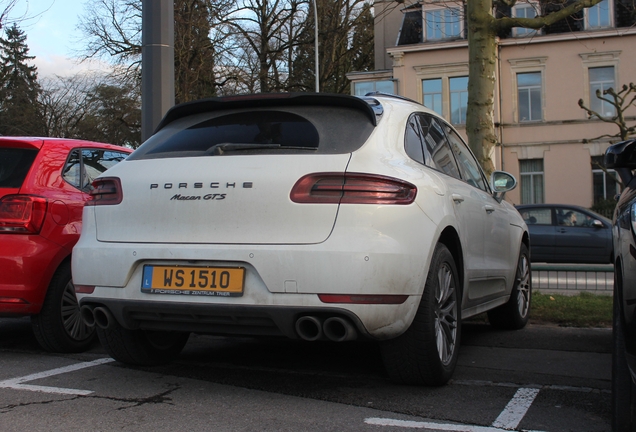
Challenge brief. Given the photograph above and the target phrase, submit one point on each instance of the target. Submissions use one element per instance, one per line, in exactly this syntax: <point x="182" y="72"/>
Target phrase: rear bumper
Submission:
<point x="217" y="319"/>
<point x="27" y="264"/>
<point x="368" y="253"/>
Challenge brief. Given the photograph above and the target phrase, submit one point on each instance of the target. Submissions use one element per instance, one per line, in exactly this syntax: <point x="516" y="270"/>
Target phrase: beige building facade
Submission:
<point x="545" y="138"/>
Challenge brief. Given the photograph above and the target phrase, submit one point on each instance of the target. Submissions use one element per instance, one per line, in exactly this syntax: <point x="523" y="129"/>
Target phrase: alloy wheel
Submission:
<point x="446" y="314"/>
<point x="71" y="318"/>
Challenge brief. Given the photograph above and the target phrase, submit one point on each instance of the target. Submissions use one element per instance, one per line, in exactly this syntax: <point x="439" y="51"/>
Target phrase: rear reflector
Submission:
<point x="84" y="289"/>
<point x="13" y="300"/>
<point x="352" y="188"/>
<point x="106" y="191"/>
<point x="362" y="299"/>
<point x="22" y="214"/>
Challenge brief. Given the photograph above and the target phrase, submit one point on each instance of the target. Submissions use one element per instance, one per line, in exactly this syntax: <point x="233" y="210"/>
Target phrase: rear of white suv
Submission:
<point x="280" y="215"/>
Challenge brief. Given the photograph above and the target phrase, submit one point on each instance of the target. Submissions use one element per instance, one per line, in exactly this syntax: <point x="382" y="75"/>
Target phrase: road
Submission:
<point x="542" y="378"/>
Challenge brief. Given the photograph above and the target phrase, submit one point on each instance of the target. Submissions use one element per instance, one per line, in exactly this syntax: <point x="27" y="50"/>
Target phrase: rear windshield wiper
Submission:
<point x="219" y="149"/>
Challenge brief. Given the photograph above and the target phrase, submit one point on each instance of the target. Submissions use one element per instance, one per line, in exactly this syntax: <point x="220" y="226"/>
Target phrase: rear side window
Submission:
<point x="84" y="166"/>
<point x="426" y="143"/>
<point x="323" y="130"/>
<point x="14" y="166"/>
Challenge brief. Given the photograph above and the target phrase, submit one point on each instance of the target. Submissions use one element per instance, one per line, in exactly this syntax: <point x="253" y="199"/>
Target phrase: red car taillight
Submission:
<point x="22" y="214"/>
<point x="352" y="188"/>
<point x="106" y="191"/>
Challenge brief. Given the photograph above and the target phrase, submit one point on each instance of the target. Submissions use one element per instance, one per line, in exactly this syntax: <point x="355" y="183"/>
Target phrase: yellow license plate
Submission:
<point x="211" y="281"/>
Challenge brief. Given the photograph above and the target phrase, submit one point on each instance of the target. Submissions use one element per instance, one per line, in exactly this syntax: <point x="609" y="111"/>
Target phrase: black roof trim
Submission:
<point x="260" y="100"/>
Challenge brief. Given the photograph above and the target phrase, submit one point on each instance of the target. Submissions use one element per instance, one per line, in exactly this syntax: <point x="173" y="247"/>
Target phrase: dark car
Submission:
<point x="44" y="183"/>
<point x="563" y="233"/>
<point x="622" y="158"/>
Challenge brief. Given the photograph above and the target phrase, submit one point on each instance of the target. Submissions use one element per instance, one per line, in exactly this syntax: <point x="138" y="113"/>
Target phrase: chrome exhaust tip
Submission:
<point x="339" y="329"/>
<point x="103" y="317"/>
<point x="87" y="315"/>
<point x="309" y="328"/>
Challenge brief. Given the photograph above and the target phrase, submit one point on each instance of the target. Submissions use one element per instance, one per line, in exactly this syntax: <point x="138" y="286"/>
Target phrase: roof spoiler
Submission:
<point x="266" y="100"/>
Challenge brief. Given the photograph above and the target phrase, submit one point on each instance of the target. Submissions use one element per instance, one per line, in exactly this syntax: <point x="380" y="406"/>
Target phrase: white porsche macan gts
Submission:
<point x="311" y="216"/>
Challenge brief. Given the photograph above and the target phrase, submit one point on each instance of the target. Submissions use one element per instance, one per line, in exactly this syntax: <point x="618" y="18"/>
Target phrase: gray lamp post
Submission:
<point x="316" y="46"/>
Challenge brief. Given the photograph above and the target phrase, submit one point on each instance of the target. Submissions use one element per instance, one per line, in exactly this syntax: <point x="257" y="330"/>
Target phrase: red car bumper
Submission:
<point x="27" y="264"/>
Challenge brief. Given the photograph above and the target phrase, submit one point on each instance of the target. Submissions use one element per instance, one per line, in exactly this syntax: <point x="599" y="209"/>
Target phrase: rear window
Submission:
<point x="321" y="130"/>
<point x="14" y="166"/>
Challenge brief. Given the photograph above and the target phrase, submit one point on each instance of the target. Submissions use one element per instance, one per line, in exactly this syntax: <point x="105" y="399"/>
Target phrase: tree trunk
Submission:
<point x="482" y="51"/>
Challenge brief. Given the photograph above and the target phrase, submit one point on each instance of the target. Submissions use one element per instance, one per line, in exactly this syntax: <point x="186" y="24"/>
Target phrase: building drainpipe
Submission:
<point x="499" y="124"/>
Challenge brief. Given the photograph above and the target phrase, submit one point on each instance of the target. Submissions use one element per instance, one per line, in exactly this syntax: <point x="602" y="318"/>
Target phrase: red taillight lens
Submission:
<point x="106" y="191"/>
<point x="22" y="214"/>
<point x="352" y="188"/>
<point x="362" y="299"/>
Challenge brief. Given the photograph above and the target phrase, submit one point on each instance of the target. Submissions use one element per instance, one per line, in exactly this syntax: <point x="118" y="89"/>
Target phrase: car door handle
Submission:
<point x="489" y="209"/>
<point x="457" y="198"/>
<point x="562" y="230"/>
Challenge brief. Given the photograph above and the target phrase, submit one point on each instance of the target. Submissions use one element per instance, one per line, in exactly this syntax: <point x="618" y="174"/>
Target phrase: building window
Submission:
<point x="458" y="99"/>
<point x="411" y="31"/>
<point x="531" y="173"/>
<point x="443" y="24"/>
<point x="598" y="16"/>
<point x="432" y="94"/>
<point x="605" y="182"/>
<point x="601" y="78"/>
<point x="523" y="11"/>
<point x="364" y="87"/>
<point x="529" y="96"/>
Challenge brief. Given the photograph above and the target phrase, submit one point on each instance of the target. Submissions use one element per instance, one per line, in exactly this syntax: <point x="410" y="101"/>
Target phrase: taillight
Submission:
<point x="352" y="188"/>
<point x="22" y="214"/>
<point x="106" y="191"/>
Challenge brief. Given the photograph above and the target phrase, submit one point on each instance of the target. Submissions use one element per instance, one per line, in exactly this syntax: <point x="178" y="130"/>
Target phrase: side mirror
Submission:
<point x="622" y="158"/>
<point x="502" y="182"/>
<point x="597" y="224"/>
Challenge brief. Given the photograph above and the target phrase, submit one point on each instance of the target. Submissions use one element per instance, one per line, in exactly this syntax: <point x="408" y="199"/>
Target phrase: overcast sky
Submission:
<point x="52" y="35"/>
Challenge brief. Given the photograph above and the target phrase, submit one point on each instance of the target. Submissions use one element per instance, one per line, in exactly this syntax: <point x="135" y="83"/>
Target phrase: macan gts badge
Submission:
<point x="199" y="185"/>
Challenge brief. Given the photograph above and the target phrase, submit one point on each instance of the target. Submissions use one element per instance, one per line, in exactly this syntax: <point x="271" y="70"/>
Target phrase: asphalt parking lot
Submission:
<point x="539" y="379"/>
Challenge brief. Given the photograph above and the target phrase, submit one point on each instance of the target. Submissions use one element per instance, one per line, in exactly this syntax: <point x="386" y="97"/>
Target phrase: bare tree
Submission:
<point x="64" y="103"/>
<point x="270" y="30"/>
<point x="483" y="28"/>
<point x="346" y="45"/>
<point x="5" y="9"/>
<point x="621" y="101"/>
<point x="112" y="31"/>
<point x="94" y="107"/>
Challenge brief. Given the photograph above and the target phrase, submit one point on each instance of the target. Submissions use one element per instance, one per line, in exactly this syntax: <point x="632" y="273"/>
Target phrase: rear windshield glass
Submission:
<point x="323" y="130"/>
<point x="14" y="166"/>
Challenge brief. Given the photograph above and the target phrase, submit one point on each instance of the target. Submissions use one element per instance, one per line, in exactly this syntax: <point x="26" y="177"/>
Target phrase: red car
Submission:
<point x="44" y="183"/>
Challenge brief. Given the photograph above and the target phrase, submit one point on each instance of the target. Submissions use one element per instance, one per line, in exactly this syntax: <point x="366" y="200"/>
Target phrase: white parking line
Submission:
<point x="429" y="425"/>
<point x="516" y="409"/>
<point x="17" y="383"/>
<point x="508" y="420"/>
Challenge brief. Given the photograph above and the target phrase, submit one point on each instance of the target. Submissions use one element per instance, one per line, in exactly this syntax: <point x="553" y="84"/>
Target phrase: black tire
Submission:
<point x="141" y="347"/>
<point x="623" y="387"/>
<point x="514" y="314"/>
<point x="59" y="327"/>
<point x="426" y="354"/>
